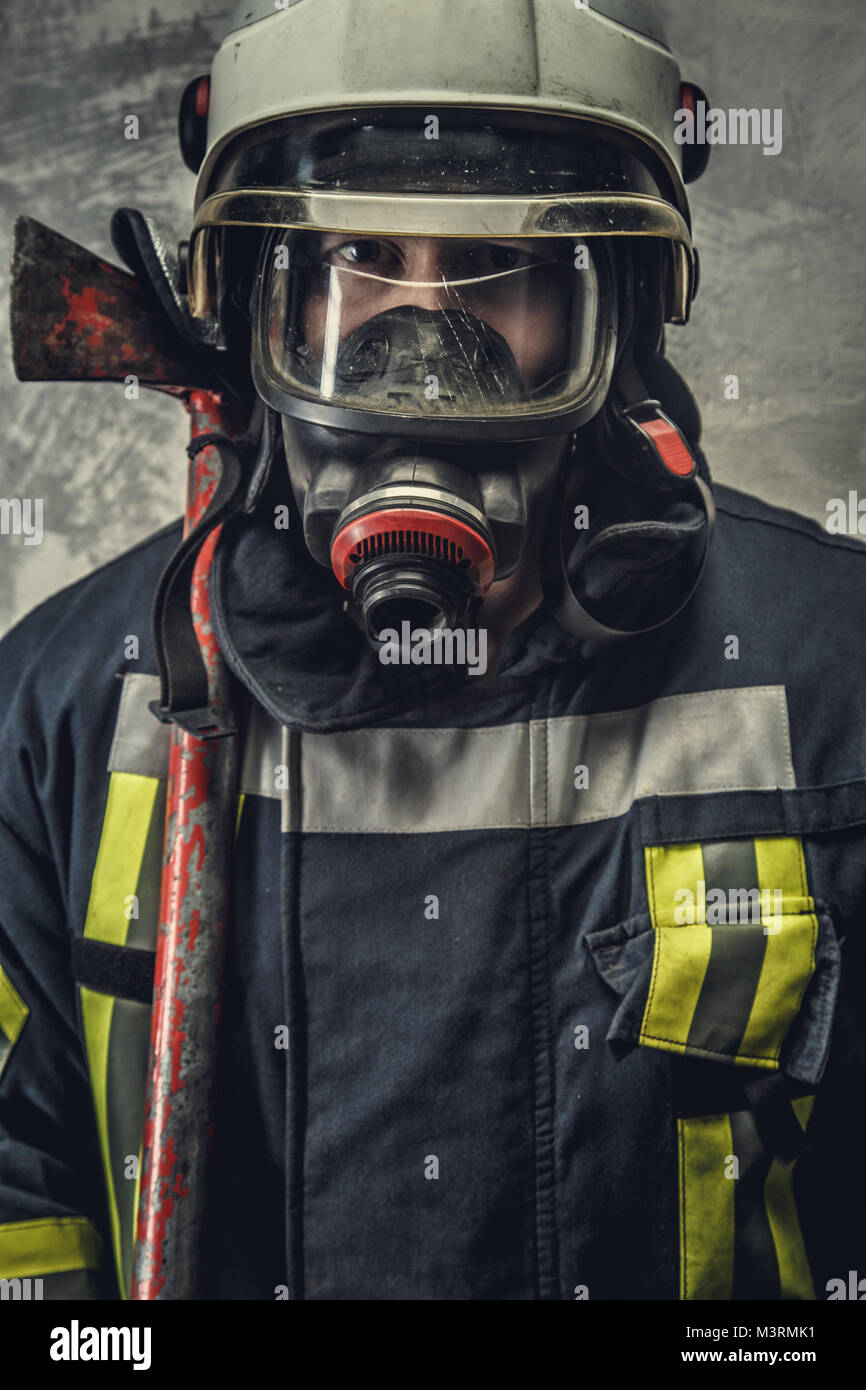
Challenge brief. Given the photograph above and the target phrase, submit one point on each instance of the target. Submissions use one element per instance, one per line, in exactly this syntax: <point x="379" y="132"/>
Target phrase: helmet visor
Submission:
<point x="448" y="327"/>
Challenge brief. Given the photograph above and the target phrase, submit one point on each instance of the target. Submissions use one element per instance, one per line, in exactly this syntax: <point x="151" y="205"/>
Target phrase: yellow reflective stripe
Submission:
<point x="128" y="814"/>
<point x="13" y="1010"/>
<point x="125" y="1292"/>
<point x="795" y="1277"/>
<point x="782" y="866"/>
<point x="803" y="1107"/>
<point x="669" y="869"/>
<point x="707" y="1212"/>
<point x="794" y="1273"/>
<point x="789" y="958"/>
<point x="681" y="953"/>
<point x="96" y="1011"/>
<point x="706" y="1208"/>
<point x="240" y="813"/>
<point x="49" y="1245"/>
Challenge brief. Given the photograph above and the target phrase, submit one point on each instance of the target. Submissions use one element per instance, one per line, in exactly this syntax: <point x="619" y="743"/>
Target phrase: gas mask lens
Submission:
<point x="445" y="327"/>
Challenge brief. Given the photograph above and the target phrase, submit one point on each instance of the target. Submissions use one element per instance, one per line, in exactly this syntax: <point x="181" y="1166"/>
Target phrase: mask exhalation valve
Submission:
<point x="413" y="564"/>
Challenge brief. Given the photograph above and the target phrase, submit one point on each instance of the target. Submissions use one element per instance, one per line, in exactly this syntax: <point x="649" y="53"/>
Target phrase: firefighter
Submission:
<point x="539" y="985"/>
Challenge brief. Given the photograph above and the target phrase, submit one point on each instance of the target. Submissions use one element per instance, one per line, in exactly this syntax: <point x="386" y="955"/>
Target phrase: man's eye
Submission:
<point x="363" y="252"/>
<point x="507" y="257"/>
<point x="490" y="259"/>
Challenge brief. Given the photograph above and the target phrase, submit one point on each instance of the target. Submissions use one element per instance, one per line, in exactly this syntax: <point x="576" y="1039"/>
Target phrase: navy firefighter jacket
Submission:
<point x="578" y="949"/>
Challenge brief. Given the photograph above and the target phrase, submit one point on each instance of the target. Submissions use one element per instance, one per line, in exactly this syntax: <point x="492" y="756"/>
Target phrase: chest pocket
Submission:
<point x="734" y="973"/>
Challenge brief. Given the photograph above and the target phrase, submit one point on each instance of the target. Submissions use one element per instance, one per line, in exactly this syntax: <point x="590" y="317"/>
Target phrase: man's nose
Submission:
<point x="424" y="284"/>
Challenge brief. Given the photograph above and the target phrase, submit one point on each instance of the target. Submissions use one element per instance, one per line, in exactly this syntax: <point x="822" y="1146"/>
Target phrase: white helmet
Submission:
<point x="549" y="119"/>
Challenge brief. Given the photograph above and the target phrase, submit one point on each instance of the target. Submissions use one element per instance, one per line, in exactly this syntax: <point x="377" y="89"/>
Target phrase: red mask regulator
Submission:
<point x="416" y="534"/>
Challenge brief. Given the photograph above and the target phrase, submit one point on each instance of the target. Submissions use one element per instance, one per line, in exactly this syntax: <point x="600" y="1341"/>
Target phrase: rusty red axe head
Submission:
<point x="76" y="317"/>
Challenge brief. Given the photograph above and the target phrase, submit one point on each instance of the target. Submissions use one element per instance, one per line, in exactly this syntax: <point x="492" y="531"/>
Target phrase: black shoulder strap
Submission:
<point x="245" y="468"/>
<point x="184" y="696"/>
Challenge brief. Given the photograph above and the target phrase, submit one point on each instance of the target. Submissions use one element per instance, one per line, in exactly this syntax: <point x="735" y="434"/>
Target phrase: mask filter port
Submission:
<point x="407" y="564"/>
<point x="390" y="595"/>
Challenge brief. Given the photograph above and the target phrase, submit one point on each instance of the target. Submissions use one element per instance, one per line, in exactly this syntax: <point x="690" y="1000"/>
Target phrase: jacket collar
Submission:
<point x="280" y="622"/>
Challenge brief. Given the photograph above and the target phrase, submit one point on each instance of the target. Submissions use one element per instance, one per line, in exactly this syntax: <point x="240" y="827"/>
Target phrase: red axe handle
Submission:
<point x="188" y="980"/>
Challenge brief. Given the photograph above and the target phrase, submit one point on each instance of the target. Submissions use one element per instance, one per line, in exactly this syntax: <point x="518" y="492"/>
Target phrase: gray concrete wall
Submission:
<point x="781" y="306"/>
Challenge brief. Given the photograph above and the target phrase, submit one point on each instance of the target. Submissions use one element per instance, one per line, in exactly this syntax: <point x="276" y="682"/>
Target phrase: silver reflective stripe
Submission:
<point x="511" y="776"/>
<point x="680" y="745"/>
<point x="415" y="781"/>
<point x="141" y="743"/>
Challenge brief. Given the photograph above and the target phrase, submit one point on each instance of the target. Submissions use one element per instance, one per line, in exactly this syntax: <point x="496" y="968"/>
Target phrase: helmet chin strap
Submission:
<point x="641" y="444"/>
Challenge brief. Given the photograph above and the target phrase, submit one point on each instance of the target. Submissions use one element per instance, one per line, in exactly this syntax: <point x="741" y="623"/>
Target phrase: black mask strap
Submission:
<point x="640" y="443"/>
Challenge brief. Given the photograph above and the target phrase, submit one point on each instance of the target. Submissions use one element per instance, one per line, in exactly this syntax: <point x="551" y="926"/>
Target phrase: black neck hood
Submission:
<point x="280" y="622"/>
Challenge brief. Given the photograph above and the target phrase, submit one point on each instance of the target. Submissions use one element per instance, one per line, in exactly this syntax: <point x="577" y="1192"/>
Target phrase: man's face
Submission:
<point x="519" y="288"/>
<point x="446" y="327"/>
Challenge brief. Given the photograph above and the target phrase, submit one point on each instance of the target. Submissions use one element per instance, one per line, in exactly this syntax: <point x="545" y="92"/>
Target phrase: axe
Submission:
<point x="76" y="317"/>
